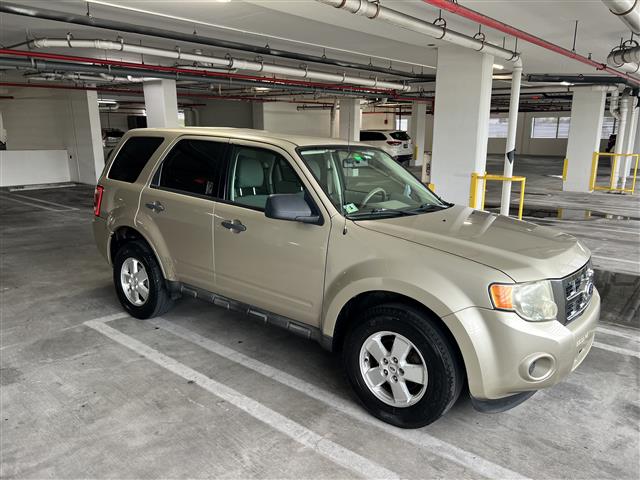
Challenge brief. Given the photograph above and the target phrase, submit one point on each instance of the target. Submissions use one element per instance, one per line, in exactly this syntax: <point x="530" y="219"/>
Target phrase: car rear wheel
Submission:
<point x="402" y="367"/>
<point x="139" y="282"/>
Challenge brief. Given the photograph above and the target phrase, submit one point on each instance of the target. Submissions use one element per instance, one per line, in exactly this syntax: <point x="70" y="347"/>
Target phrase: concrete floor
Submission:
<point x="205" y="392"/>
<point x="609" y="224"/>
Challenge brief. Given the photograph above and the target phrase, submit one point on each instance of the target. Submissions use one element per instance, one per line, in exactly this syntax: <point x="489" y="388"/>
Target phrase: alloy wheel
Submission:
<point x="393" y="369"/>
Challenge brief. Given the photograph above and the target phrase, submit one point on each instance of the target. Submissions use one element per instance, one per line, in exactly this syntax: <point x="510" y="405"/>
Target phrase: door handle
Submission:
<point x="155" y="206"/>
<point x="235" y="226"/>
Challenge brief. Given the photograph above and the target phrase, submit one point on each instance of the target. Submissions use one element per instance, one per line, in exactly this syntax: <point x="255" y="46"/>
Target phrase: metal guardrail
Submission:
<point x="473" y="194"/>
<point x="594" y="172"/>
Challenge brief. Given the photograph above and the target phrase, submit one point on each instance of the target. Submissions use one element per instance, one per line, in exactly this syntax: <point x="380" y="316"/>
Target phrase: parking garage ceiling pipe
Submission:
<point x="620" y="112"/>
<point x="228" y="62"/>
<point x="373" y="10"/>
<point x="112" y="67"/>
<point x="91" y="21"/>
<point x="223" y="78"/>
<point x="627" y="59"/>
<point x="626" y="10"/>
<point x="478" y="17"/>
<point x="592" y="79"/>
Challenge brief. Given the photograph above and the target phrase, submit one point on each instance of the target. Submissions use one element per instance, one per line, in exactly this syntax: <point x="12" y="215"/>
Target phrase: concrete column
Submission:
<point x="587" y="112"/>
<point x="418" y="126"/>
<point x="84" y="137"/>
<point x="257" y="112"/>
<point x="636" y="145"/>
<point x="161" y="102"/>
<point x="461" y="121"/>
<point x="350" y="119"/>
<point x="628" y="163"/>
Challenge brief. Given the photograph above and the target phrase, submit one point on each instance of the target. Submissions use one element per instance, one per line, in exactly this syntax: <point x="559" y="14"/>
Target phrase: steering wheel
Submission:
<point x="373" y="193"/>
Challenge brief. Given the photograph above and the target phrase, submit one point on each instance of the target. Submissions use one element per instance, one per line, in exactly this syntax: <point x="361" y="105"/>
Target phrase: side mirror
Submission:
<point x="290" y="206"/>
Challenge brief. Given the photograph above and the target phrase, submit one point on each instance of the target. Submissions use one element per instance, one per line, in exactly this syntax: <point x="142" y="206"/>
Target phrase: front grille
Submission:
<point x="577" y="290"/>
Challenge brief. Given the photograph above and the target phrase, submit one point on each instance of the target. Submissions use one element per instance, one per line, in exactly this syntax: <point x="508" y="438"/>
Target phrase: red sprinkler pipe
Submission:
<point x="527" y="37"/>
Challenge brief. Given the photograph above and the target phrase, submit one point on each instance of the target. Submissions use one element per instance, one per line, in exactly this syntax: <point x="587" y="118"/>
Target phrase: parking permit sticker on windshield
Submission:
<point x="350" y="208"/>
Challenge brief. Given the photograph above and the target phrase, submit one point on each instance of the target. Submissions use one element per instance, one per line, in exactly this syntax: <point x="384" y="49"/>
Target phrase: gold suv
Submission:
<point x="338" y="243"/>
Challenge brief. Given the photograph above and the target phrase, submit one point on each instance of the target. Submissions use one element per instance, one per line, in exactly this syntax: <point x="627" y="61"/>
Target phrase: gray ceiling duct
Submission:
<point x="626" y="10"/>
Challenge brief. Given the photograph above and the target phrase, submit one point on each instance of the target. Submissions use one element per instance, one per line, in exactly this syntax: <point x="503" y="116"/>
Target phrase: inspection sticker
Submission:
<point x="350" y="208"/>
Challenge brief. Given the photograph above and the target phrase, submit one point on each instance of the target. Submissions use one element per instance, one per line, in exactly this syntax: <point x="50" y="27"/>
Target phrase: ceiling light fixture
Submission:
<point x="108" y="101"/>
<point x="497" y="66"/>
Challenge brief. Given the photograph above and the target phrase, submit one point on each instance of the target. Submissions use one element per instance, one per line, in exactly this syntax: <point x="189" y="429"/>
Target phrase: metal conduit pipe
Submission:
<point x="482" y="19"/>
<point x="509" y="157"/>
<point x="598" y="79"/>
<point x="621" y="108"/>
<point x="627" y="59"/>
<point x="226" y="62"/>
<point x="91" y="21"/>
<point x="627" y="11"/>
<point x="54" y="66"/>
<point x="376" y="11"/>
<point x="230" y="77"/>
<point x="629" y="137"/>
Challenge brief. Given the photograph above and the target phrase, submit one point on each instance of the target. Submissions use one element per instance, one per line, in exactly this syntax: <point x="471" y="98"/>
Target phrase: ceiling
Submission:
<point x="308" y="26"/>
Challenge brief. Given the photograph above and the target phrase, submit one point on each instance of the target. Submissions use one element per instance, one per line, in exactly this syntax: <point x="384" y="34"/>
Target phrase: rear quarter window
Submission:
<point x="132" y="157"/>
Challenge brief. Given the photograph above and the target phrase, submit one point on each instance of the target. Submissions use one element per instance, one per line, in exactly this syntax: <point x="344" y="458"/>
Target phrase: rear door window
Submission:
<point x="132" y="158"/>
<point x="194" y="167"/>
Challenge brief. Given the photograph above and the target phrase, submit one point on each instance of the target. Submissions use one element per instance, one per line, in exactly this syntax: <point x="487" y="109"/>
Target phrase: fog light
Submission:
<point x="537" y="367"/>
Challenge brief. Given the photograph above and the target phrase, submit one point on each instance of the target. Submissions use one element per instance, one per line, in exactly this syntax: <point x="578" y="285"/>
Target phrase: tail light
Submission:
<point x="97" y="200"/>
<point x="394" y="143"/>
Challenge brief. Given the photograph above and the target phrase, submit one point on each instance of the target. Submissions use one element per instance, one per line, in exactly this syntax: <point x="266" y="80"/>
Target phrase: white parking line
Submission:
<point x="44" y="201"/>
<point x="620" y="350"/>
<point x="31" y="204"/>
<point x="613" y="259"/>
<point x="332" y="451"/>
<point x="619" y="333"/>
<point x="468" y="460"/>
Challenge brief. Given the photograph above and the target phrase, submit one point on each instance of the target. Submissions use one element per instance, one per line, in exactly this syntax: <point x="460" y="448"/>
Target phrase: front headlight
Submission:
<point x="533" y="301"/>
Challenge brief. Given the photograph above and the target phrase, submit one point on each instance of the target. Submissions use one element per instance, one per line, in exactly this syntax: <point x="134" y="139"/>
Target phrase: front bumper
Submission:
<point x="505" y="355"/>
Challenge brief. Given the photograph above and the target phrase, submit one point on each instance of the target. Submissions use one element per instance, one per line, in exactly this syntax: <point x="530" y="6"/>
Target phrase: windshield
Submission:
<point x="366" y="182"/>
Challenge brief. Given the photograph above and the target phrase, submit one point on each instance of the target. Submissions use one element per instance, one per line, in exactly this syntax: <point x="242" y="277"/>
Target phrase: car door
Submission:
<point x="275" y="265"/>
<point x="176" y="207"/>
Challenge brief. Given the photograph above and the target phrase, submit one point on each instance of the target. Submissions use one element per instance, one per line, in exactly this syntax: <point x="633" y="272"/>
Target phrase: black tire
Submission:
<point x="159" y="300"/>
<point x="445" y="372"/>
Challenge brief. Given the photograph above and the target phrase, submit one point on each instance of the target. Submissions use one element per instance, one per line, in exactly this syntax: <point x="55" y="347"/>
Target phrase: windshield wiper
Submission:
<point x="430" y="207"/>
<point x="382" y="211"/>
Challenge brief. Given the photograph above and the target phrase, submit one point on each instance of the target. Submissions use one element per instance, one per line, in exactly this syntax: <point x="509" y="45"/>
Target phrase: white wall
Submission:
<point x="52" y="119"/>
<point x="378" y="121"/>
<point x="23" y="167"/>
<point x="285" y="118"/>
<point x="226" y="113"/>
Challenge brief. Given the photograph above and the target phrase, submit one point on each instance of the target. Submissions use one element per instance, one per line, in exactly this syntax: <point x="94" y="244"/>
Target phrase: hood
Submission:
<point x="522" y="250"/>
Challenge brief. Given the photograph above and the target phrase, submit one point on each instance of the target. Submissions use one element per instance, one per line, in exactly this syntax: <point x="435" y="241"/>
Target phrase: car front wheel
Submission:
<point x="402" y="367"/>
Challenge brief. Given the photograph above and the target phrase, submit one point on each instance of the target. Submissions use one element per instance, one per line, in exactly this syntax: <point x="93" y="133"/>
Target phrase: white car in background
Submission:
<point x="396" y="143"/>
